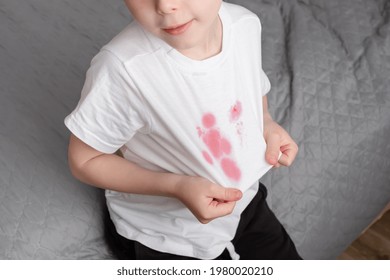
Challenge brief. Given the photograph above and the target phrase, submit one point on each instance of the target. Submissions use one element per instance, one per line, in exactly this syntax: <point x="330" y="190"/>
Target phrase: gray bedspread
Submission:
<point x="329" y="65"/>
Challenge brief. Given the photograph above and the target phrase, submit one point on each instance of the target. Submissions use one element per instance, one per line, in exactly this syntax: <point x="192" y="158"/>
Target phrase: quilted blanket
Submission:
<point x="329" y="65"/>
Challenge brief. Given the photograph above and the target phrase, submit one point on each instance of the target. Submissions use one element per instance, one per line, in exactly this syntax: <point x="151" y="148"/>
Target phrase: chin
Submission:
<point x="182" y="44"/>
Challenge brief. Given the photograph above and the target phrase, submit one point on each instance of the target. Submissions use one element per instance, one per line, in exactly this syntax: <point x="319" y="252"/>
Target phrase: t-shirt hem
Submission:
<point x="180" y="249"/>
<point x="87" y="137"/>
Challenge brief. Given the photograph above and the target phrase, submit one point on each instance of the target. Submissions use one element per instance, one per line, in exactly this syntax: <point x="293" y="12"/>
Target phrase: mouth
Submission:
<point x="178" y="29"/>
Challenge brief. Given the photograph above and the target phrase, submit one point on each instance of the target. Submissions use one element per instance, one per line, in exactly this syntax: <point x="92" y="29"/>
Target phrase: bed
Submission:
<point x="329" y="65"/>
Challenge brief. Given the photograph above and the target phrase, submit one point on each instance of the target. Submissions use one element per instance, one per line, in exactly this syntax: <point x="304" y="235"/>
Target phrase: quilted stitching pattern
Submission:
<point x="329" y="65"/>
<point x="45" y="49"/>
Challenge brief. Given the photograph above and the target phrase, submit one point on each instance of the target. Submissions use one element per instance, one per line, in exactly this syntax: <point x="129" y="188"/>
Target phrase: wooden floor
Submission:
<point x="373" y="244"/>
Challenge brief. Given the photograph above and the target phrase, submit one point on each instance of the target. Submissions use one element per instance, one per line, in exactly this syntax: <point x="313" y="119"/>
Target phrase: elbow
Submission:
<point x="78" y="168"/>
<point x="80" y="157"/>
<point x="75" y="169"/>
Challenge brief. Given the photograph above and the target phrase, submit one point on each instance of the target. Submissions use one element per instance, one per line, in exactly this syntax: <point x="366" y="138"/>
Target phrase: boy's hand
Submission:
<point x="278" y="140"/>
<point x="205" y="199"/>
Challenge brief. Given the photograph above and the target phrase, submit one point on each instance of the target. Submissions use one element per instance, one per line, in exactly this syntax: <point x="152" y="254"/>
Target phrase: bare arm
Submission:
<point x="109" y="171"/>
<point x="204" y="199"/>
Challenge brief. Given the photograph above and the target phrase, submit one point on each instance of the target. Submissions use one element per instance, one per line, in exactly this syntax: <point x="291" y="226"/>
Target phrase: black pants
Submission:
<point x="259" y="236"/>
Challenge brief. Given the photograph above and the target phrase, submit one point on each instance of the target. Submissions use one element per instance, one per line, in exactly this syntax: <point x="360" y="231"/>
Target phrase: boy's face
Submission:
<point x="186" y="25"/>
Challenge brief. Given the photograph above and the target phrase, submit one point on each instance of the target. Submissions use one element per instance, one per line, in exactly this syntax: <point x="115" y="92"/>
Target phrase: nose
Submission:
<point x="167" y="6"/>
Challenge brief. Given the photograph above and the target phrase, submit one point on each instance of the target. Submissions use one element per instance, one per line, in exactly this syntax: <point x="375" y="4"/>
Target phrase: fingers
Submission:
<point x="205" y="199"/>
<point x="215" y="210"/>
<point x="223" y="201"/>
<point x="222" y="194"/>
<point x="273" y="149"/>
<point x="289" y="152"/>
<point x="281" y="149"/>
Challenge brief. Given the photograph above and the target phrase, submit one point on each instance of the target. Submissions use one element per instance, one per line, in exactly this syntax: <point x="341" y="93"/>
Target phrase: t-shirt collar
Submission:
<point x="190" y="65"/>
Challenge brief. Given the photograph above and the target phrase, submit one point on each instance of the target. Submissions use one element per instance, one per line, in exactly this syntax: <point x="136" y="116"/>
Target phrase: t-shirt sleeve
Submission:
<point x="109" y="111"/>
<point x="263" y="76"/>
<point x="266" y="83"/>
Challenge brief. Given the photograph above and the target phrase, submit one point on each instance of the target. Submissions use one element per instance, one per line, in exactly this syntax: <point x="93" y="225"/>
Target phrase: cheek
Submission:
<point x="211" y="7"/>
<point x="208" y="11"/>
<point x="149" y="24"/>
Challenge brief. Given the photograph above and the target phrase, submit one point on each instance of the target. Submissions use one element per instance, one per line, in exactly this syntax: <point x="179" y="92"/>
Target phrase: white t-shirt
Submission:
<point x="167" y="112"/>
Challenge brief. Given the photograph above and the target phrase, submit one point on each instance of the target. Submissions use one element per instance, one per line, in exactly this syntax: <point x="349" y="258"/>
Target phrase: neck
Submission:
<point x="211" y="46"/>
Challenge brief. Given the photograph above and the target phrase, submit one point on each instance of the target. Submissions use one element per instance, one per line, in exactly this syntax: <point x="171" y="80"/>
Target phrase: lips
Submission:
<point x="178" y="29"/>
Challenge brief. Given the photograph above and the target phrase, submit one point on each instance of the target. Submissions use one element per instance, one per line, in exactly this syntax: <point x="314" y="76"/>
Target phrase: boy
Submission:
<point x="181" y="93"/>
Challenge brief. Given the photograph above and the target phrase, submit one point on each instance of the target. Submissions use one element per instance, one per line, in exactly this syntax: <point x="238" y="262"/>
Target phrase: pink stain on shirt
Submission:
<point x="212" y="139"/>
<point x="217" y="145"/>
<point x="215" y="142"/>
<point x="230" y="169"/>
<point x="226" y="147"/>
<point x="207" y="157"/>
<point x="235" y="111"/>
<point x="208" y="120"/>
